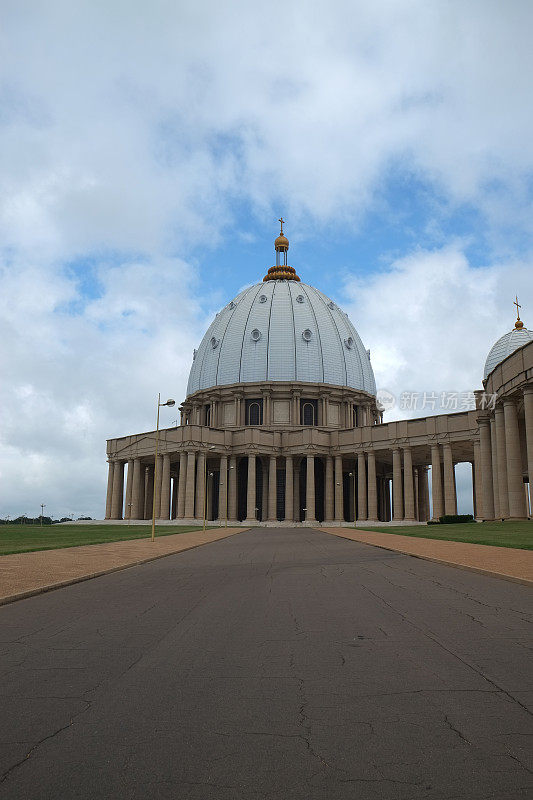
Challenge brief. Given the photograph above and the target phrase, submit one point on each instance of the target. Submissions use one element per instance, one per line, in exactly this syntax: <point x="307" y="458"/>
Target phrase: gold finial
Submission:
<point x="518" y="324"/>
<point x="282" y="271"/>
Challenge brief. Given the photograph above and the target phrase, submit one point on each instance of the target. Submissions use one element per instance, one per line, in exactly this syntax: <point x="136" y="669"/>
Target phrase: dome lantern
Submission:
<point x="281" y="272"/>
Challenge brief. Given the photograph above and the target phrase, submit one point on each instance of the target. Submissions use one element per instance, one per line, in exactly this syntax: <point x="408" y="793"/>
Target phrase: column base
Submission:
<point x="372" y="522"/>
<point x="250" y="521"/>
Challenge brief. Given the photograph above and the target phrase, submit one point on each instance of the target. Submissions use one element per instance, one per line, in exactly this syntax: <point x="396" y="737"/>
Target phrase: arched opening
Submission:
<point x="309" y="412"/>
<point x="254" y="412"/>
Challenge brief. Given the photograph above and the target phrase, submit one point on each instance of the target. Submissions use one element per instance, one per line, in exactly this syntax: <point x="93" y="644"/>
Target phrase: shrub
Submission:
<point x="450" y="519"/>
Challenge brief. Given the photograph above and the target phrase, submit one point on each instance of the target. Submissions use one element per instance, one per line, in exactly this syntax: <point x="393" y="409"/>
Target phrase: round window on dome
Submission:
<point x="300" y="298"/>
<point x="256" y="335"/>
<point x="263" y="298"/>
<point x="214" y="342"/>
<point x="349" y="342"/>
<point x="307" y="335"/>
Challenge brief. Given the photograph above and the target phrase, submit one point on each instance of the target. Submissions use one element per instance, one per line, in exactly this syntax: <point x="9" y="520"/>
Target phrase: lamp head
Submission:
<point x="170" y="403"/>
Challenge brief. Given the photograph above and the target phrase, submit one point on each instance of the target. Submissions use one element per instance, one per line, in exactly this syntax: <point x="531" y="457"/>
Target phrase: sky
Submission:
<point x="147" y="151"/>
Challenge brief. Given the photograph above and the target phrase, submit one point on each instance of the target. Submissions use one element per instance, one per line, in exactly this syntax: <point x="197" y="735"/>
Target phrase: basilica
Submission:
<point x="281" y="426"/>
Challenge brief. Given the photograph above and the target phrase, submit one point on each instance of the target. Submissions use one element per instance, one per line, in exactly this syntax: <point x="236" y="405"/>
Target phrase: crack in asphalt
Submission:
<point x="432" y="637"/>
<point x="52" y="735"/>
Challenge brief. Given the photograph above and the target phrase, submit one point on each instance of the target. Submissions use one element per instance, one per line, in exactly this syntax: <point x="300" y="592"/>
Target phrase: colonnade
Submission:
<point x="505" y="454"/>
<point x="293" y="488"/>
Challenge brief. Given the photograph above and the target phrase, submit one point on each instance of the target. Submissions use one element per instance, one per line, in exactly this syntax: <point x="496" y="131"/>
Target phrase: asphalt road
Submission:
<point x="273" y="664"/>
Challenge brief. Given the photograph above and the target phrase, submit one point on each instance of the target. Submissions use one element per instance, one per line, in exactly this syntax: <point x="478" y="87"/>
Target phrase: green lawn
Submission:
<point x="501" y="534"/>
<point x="27" y="538"/>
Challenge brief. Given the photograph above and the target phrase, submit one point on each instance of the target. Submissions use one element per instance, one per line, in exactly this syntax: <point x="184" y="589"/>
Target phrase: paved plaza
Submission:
<point x="275" y="663"/>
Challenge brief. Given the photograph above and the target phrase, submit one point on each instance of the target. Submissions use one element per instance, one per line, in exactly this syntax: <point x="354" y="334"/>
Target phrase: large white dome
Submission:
<point x="506" y="345"/>
<point x="281" y="330"/>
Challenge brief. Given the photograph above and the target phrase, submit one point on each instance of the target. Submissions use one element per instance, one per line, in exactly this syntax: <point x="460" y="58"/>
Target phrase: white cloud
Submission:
<point x="131" y="126"/>
<point x="71" y="380"/>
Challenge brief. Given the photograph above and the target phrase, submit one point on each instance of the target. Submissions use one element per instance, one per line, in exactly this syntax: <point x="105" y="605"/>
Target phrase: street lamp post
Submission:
<point x="43" y="506"/>
<point x="169" y="403"/>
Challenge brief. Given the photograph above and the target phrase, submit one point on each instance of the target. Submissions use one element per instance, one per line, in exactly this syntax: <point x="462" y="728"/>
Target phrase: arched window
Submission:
<point x="254" y="412"/>
<point x="207" y="411"/>
<point x="309" y="414"/>
<point x="354" y="416"/>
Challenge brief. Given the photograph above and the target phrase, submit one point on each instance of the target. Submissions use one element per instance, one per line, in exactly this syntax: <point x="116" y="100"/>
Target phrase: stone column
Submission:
<point x="483" y="471"/>
<point x="109" y="496"/>
<point x="494" y="462"/>
<point x="528" y="420"/>
<point x="232" y="488"/>
<point x="164" y="511"/>
<point x="297" y="493"/>
<point x="148" y="491"/>
<point x="339" y="508"/>
<point x="397" y="504"/>
<point x="329" y="491"/>
<point x="158" y="474"/>
<point x="189" y="487"/>
<point x="372" y="488"/>
<point x="362" y="512"/>
<point x="449" y="479"/>
<point x="118" y="490"/>
<point x="502" y="462"/>
<point x="289" y="489"/>
<point x="199" y="508"/>
<point x="129" y="484"/>
<point x="423" y="494"/>
<point x="436" y="482"/>
<point x="142" y="487"/>
<point x="251" y="517"/>
<point x="408" y="486"/>
<point x="182" y="484"/>
<point x="264" y="490"/>
<point x="137" y="511"/>
<point x="310" y="490"/>
<point x="517" y="504"/>
<point x="272" y="490"/>
<point x="223" y="489"/>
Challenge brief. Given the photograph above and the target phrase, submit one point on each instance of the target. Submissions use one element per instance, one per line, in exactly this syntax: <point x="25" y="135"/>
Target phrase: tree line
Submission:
<point x="25" y="520"/>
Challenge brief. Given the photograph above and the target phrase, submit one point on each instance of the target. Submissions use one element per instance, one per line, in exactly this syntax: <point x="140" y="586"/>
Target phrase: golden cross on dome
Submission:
<point x="281" y="220"/>
<point x="517" y="304"/>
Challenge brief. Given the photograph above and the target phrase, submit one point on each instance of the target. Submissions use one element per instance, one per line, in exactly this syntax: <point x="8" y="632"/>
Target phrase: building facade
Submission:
<point x="281" y="426"/>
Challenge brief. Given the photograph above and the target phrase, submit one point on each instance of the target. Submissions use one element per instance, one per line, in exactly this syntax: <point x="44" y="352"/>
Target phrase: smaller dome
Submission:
<point x="281" y="243"/>
<point x="506" y="345"/>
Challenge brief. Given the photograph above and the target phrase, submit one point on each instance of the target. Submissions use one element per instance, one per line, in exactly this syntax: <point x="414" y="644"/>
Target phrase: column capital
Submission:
<point x="509" y="401"/>
<point x="528" y="389"/>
